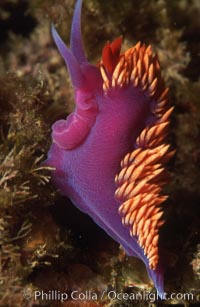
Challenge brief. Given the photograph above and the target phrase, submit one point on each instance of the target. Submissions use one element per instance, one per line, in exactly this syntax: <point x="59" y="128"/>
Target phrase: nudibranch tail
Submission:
<point x="142" y="174"/>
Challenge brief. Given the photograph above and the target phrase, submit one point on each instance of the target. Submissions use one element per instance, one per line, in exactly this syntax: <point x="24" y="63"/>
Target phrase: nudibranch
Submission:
<point x="109" y="154"/>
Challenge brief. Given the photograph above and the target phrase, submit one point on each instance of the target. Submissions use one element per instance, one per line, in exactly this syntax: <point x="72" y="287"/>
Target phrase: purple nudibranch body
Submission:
<point x="91" y="147"/>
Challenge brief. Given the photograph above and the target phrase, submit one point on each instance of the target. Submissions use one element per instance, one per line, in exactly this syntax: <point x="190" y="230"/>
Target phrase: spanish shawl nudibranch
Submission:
<point x="109" y="154"/>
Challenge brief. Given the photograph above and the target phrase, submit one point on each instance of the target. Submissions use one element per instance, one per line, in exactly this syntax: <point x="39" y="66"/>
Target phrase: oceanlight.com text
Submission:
<point x="55" y="295"/>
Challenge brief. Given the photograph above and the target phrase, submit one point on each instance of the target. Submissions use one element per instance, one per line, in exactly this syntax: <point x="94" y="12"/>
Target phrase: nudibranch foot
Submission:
<point x="110" y="153"/>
